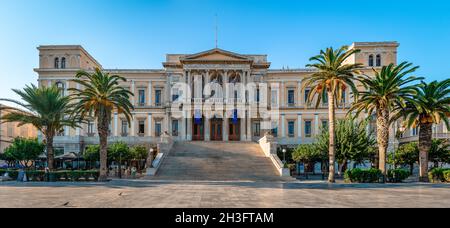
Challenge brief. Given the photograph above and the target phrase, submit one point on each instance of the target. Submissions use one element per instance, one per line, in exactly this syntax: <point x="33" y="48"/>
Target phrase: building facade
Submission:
<point x="215" y="95"/>
<point x="12" y="130"/>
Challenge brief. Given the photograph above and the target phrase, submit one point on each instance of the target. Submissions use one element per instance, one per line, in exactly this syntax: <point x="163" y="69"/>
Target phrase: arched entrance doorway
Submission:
<point x="234" y="130"/>
<point x="198" y="129"/>
<point x="216" y="129"/>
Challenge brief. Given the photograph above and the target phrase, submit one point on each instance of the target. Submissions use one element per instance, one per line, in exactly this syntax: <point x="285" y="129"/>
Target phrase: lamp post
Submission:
<point x="284" y="156"/>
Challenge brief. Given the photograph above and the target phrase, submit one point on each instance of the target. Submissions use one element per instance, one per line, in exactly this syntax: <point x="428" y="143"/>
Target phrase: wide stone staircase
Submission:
<point x="217" y="161"/>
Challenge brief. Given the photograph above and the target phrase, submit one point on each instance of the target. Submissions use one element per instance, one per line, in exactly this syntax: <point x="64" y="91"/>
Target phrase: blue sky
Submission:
<point x="138" y="33"/>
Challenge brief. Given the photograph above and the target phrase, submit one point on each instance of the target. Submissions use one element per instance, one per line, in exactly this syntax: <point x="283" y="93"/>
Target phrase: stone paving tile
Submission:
<point x="148" y="194"/>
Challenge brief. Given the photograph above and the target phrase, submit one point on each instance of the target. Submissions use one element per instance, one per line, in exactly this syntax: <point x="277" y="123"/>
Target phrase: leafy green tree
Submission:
<point x="430" y="105"/>
<point x="47" y="109"/>
<point x="353" y="142"/>
<point x="119" y="152"/>
<point x="309" y="155"/>
<point x="385" y="93"/>
<point x="331" y="80"/>
<point x="101" y="95"/>
<point x="139" y="153"/>
<point x="439" y="152"/>
<point x="92" y="154"/>
<point x="407" y="154"/>
<point x="24" y="151"/>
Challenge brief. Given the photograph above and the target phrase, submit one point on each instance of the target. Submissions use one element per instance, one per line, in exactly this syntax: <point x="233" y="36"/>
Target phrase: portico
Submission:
<point x="218" y="95"/>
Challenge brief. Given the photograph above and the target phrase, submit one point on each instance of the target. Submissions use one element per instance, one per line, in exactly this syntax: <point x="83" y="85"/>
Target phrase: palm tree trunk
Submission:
<point x="382" y="138"/>
<point x="332" y="149"/>
<point x="50" y="153"/>
<point x="425" y="140"/>
<point x="103" y="135"/>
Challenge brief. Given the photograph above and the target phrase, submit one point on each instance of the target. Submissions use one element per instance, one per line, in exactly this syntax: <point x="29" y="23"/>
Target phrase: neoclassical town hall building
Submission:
<point x="155" y="95"/>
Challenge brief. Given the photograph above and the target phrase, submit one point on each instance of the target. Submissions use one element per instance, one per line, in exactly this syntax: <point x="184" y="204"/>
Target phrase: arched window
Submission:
<point x="56" y="63"/>
<point x="63" y="63"/>
<point x="378" y="60"/>
<point x="371" y="60"/>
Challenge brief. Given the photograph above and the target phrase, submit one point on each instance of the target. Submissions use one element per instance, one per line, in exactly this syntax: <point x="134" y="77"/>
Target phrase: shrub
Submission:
<point x="39" y="175"/>
<point x="447" y="175"/>
<point x="399" y="174"/>
<point x="437" y="175"/>
<point x="12" y="173"/>
<point x="363" y="175"/>
<point x="35" y="175"/>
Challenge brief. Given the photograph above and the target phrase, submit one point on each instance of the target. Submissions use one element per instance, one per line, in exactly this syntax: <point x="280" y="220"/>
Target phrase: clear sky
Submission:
<point x="138" y="33"/>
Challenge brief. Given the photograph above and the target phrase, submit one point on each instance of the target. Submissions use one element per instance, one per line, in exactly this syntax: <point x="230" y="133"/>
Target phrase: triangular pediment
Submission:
<point x="216" y="55"/>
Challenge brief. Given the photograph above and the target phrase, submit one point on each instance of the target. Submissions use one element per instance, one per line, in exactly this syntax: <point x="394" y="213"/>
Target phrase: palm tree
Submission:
<point x="332" y="78"/>
<point x="385" y="92"/>
<point x="101" y="95"/>
<point x="47" y="109"/>
<point x="431" y="105"/>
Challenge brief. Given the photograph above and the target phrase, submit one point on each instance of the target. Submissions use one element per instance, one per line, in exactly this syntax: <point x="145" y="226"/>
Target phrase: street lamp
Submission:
<point x="284" y="156"/>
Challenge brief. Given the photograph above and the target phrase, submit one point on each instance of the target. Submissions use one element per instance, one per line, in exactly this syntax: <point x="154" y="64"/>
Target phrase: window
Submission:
<point x="344" y="96"/>
<point x="378" y="60"/>
<point x="56" y="63"/>
<point x="90" y="128"/>
<point x="258" y="98"/>
<point x="158" y="129"/>
<point x="158" y="97"/>
<point x="257" y="129"/>
<point x="63" y="63"/>
<point x="308" y="129"/>
<point x="275" y="132"/>
<point x="291" y="97"/>
<point x="291" y="128"/>
<point x="325" y="99"/>
<point x="141" y="128"/>
<point x="307" y="92"/>
<point x="141" y="97"/>
<point x="174" y="127"/>
<point x="415" y="131"/>
<point x="175" y="94"/>
<point x="371" y="60"/>
<point x="325" y="124"/>
<point x="124" y="128"/>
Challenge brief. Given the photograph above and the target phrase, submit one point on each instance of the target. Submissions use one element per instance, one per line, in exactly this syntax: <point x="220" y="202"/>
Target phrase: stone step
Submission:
<point x="217" y="161"/>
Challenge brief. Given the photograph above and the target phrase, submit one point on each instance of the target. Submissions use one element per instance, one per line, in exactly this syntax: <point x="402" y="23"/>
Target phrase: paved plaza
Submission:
<point x="148" y="194"/>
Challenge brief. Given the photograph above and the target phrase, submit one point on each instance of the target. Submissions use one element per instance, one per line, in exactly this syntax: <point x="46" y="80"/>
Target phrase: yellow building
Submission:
<point x="10" y="131"/>
<point x="215" y="95"/>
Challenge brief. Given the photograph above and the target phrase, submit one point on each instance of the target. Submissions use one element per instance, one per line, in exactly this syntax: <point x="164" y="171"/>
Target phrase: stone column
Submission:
<point x="150" y="125"/>
<point x="133" y="133"/>
<point x="167" y="124"/>
<point x="150" y="93"/>
<point x="299" y="127"/>
<point x="182" y="128"/>
<point x="283" y="127"/>
<point x="225" y="128"/>
<point x="249" y="127"/>
<point x="167" y="98"/>
<point x="243" y="126"/>
<point x="116" y="124"/>
<point x="225" y="81"/>
<point x="299" y="93"/>
<point x="282" y="95"/>
<point x="207" y="129"/>
<point x="316" y="124"/>
<point x="78" y="130"/>
<point x="133" y="85"/>
<point x="189" y="128"/>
